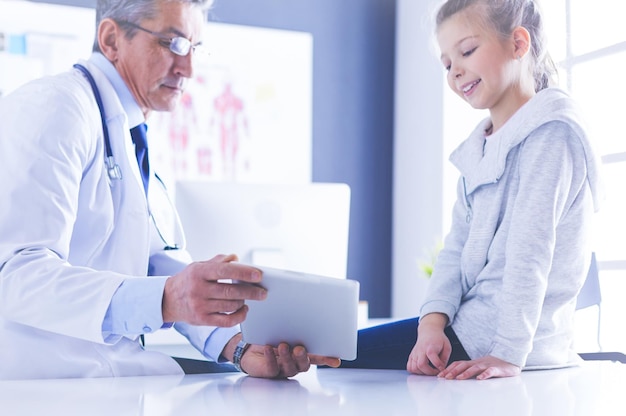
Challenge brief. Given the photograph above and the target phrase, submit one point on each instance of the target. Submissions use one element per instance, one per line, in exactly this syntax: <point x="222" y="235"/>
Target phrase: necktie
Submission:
<point x="138" y="135"/>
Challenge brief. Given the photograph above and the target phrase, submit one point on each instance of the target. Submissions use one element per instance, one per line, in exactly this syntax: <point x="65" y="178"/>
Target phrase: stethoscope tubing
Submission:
<point x="113" y="168"/>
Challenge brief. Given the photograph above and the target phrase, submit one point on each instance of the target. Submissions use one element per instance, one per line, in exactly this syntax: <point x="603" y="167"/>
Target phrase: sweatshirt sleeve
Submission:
<point x="551" y="171"/>
<point x="445" y="288"/>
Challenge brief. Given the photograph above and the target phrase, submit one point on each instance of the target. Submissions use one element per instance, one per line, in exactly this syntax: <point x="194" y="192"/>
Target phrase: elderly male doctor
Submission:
<point x="77" y="238"/>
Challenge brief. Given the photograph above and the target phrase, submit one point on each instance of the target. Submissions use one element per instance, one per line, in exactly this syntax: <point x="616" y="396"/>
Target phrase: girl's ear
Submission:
<point x="521" y="40"/>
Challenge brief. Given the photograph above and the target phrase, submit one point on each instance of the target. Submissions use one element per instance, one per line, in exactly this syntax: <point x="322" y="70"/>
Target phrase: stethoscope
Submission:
<point x="113" y="169"/>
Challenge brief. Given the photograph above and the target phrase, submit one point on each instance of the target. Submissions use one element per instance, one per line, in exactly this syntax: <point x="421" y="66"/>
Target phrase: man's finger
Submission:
<point x="237" y="291"/>
<point x="224" y="320"/>
<point x="327" y="361"/>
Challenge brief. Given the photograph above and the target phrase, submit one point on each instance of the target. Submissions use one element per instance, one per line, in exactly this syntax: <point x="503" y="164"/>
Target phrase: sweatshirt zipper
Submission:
<point x="468" y="205"/>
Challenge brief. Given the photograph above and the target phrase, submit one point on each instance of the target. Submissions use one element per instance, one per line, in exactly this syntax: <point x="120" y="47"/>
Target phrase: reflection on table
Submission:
<point x="595" y="388"/>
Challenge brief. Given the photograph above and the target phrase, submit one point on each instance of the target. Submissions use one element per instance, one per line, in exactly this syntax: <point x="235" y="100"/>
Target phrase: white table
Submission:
<point x="595" y="388"/>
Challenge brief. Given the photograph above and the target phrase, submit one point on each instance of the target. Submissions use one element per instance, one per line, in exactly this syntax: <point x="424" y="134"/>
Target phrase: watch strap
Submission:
<point x="240" y="349"/>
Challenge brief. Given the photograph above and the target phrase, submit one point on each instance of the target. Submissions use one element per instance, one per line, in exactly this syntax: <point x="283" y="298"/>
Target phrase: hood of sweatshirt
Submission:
<point x="550" y="104"/>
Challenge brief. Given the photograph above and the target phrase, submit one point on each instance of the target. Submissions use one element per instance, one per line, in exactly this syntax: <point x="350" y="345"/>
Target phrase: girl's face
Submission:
<point x="482" y="67"/>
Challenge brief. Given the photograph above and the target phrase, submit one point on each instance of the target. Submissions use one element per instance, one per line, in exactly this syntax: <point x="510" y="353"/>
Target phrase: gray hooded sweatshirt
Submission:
<point x="518" y="250"/>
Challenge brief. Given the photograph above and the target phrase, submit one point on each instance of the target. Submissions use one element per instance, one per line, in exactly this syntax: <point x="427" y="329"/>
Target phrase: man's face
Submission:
<point x="154" y="74"/>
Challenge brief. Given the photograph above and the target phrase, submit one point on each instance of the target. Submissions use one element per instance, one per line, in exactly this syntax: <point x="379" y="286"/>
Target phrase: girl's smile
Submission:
<point x="469" y="88"/>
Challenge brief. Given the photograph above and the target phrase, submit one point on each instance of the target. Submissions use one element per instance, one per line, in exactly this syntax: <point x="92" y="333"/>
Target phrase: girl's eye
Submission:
<point x="448" y="67"/>
<point x="469" y="52"/>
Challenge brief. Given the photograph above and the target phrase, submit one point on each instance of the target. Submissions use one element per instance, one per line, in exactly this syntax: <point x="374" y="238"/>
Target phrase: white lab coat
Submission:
<point x="69" y="236"/>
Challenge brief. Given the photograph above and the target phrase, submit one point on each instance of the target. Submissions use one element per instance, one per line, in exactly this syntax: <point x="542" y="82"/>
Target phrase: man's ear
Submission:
<point x="109" y="35"/>
<point x="521" y="40"/>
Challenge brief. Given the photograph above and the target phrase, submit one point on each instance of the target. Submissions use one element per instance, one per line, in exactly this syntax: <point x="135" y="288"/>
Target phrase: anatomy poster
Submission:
<point x="246" y="114"/>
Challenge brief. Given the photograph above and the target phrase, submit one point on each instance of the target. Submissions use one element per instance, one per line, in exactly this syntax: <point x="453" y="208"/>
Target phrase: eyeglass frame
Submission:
<point x="171" y="41"/>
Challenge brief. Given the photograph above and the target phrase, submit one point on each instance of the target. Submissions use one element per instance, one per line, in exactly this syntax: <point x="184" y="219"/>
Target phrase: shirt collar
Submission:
<point x="131" y="108"/>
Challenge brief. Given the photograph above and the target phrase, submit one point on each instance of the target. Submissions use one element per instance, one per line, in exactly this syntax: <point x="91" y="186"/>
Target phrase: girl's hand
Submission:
<point x="432" y="350"/>
<point x="481" y="368"/>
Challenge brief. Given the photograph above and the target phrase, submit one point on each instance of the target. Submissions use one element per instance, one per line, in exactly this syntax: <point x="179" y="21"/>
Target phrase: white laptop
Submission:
<point x="315" y="311"/>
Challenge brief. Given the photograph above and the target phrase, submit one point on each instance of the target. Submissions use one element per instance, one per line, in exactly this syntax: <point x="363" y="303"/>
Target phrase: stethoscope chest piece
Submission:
<point x="113" y="169"/>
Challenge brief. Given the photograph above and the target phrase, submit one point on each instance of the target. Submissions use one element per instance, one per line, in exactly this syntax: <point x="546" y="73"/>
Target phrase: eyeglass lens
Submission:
<point x="180" y="46"/>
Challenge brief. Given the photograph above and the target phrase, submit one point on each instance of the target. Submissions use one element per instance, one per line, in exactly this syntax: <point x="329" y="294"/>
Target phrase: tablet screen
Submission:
<point x="317" y="312"/>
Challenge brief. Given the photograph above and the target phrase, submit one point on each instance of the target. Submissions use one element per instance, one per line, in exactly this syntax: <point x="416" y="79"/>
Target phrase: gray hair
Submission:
<point x="134" y="11"/>
<point x="504" y="16"/>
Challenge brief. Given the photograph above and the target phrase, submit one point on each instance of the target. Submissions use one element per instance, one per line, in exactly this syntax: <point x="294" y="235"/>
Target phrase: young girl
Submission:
<point x="503" y="291"/>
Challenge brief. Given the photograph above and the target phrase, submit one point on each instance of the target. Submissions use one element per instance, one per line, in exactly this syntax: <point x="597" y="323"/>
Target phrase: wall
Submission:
<point x="418" y="212"/>
<point x="353" y="55"/>
<point x="352" y="114"/>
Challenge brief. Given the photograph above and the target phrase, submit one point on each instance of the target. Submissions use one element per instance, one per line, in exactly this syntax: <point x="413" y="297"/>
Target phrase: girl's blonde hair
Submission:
<point x="504" y="16"/>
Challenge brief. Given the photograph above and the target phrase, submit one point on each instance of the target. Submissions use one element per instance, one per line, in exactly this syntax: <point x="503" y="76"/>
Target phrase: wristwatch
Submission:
<point x="240" y="349"/>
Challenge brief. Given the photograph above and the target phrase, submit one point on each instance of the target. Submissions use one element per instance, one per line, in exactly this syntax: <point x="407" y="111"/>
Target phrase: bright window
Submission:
<point x="591" y="55"/>
<point x="594" y="24"/>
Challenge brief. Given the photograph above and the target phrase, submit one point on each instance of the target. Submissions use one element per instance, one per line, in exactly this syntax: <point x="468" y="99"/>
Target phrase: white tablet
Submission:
<point x="317" y="312"/>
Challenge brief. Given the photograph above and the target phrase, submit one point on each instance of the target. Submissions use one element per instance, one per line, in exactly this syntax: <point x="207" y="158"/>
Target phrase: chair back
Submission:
<point x="590" y="293"/>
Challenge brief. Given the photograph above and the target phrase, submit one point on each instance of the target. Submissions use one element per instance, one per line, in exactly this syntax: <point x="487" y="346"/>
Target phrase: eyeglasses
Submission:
<point x="178" y="45"/>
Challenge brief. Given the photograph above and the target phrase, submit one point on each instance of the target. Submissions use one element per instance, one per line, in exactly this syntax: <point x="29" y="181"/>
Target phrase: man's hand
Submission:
<point x="281" y="362"/>
<point x="199" y="296"/>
